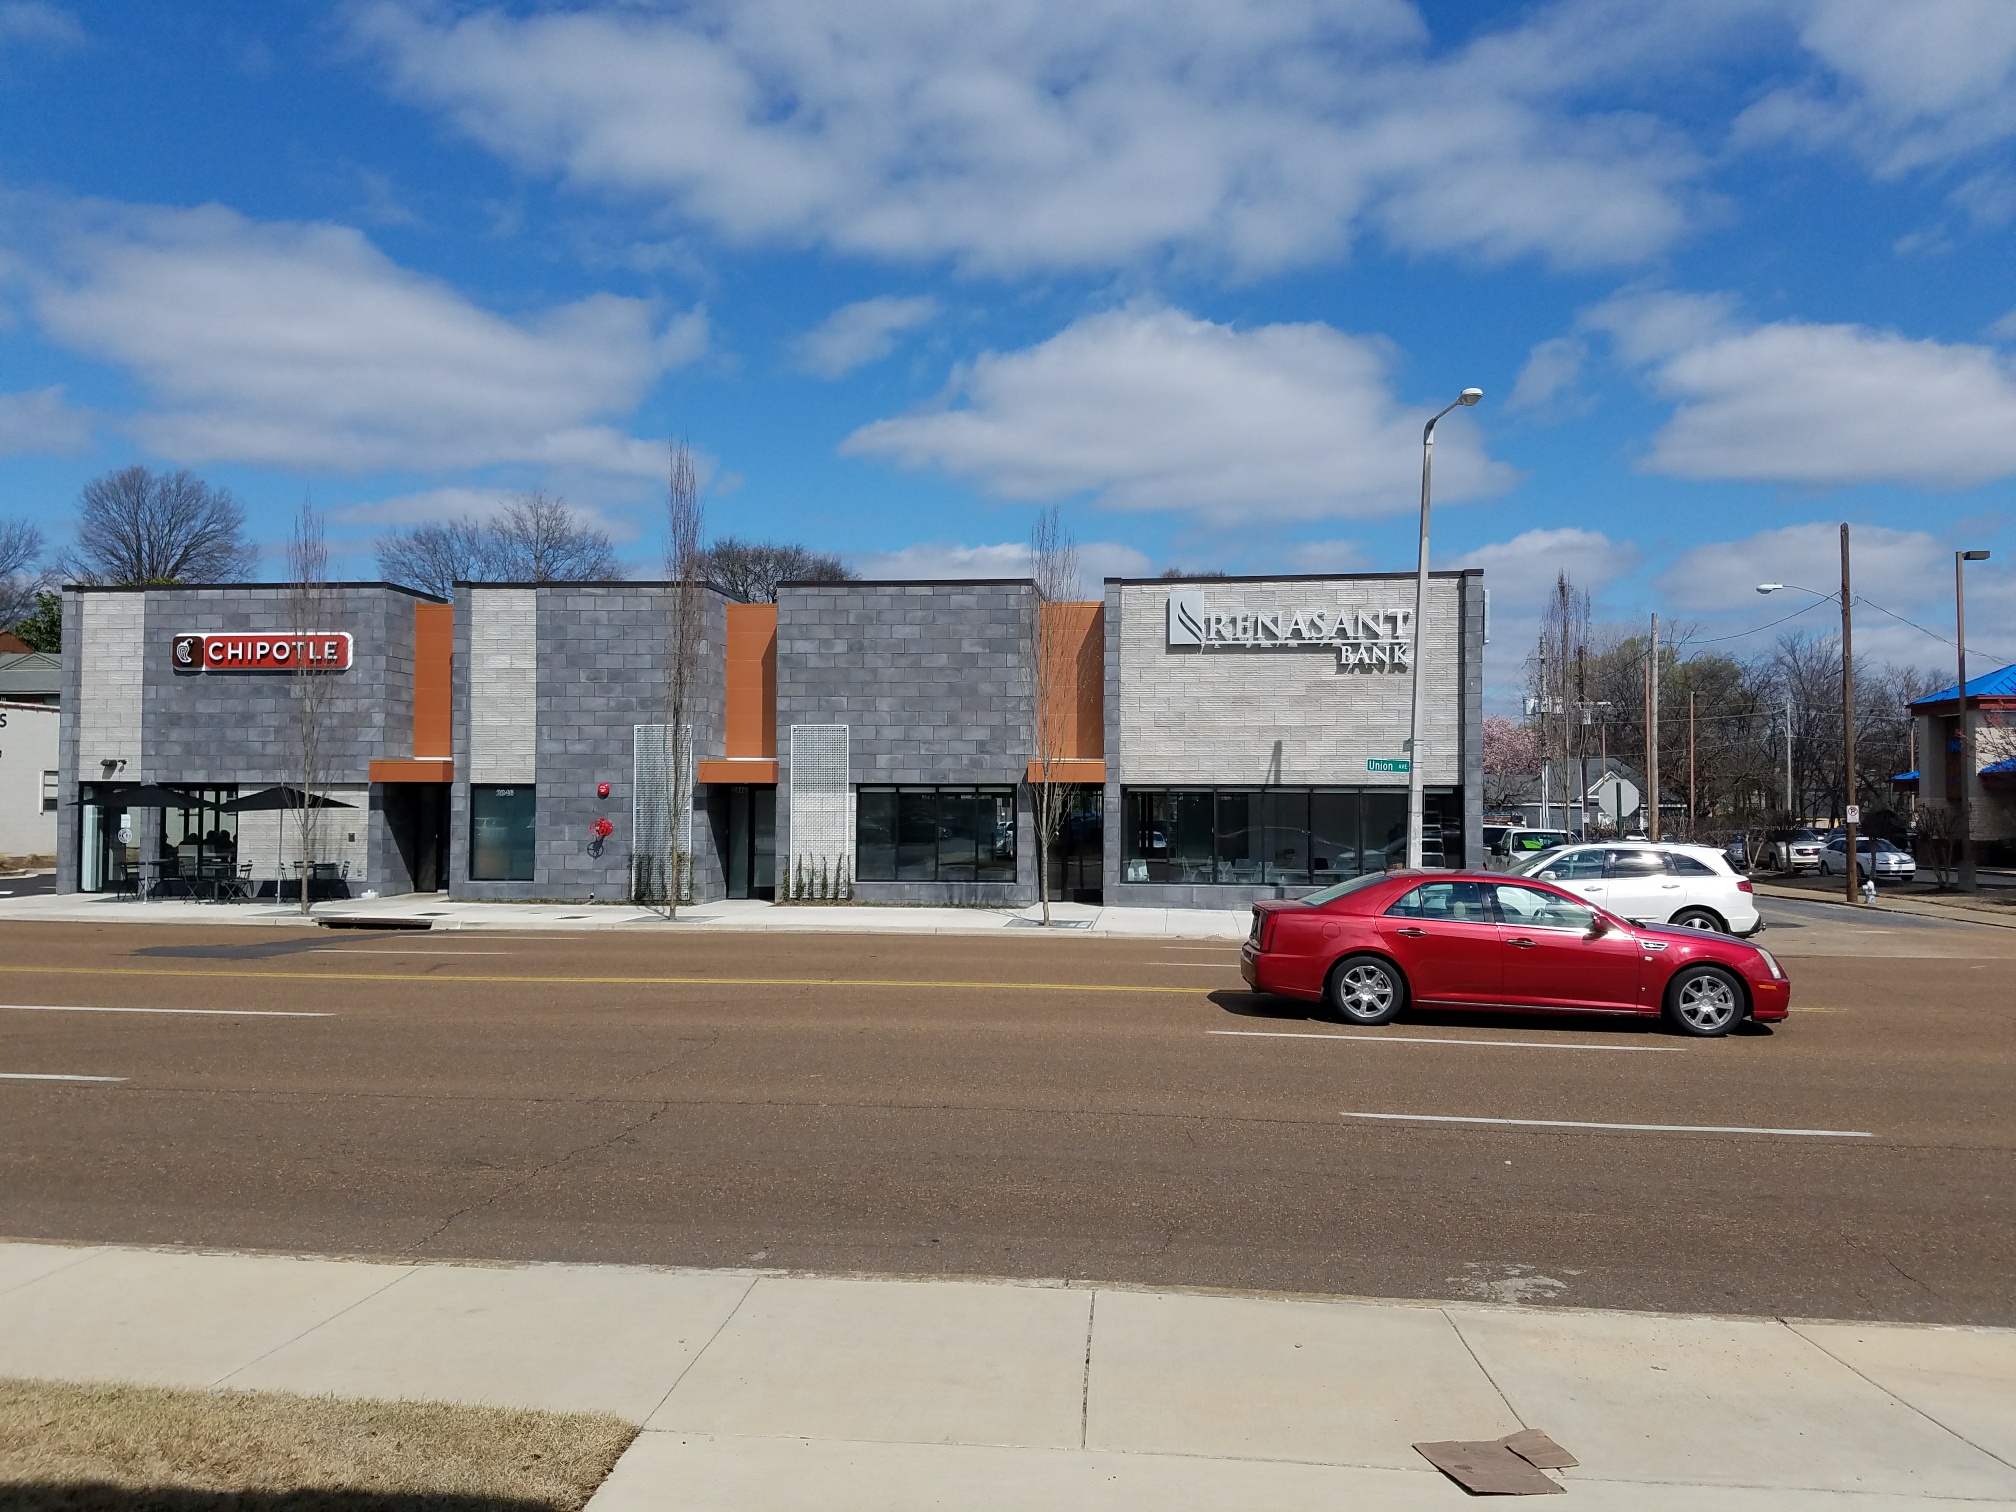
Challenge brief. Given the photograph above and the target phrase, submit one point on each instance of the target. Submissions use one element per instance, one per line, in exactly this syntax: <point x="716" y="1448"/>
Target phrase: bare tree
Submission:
<point x="436" y="556"/>
<point x="537" y="538"/>
<point x="685" y="566"/>
<point x="308" y="604"/>
<point x="20" y="550"/>
<point x="540" y="540"/>
<point x="749" y="571"/>
<point x="1053" y="562"/>
<point x="135" y="527"/>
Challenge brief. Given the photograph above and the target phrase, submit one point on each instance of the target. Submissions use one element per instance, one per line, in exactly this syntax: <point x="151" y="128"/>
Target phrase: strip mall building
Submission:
<point x="1226" y="739"/>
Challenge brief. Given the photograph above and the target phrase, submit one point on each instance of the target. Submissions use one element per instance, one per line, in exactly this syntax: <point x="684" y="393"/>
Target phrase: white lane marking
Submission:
<point x="1569" y="1123"/>
<point x="204" y="1012"/>
<point x="1424" y="1039"/>
<point x="1198" y="965"/>
<point x="53" y="1076"/>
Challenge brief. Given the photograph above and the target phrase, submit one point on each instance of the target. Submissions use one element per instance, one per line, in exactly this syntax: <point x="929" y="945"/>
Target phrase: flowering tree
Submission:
<point x="1511" y="760"/>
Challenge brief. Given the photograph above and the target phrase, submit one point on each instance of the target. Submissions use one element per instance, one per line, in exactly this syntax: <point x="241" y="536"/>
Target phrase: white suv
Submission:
<point x="1693" y="886"/>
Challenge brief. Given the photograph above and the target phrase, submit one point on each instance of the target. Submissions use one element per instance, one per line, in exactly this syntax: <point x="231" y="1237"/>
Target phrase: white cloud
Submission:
<point x="860" y="333"/>
<point x="427" y="507"/>
<point x="304" y="346"/>
<point x="1155" y="409"/>
<point x="40" y="421"/>
<point x="35" y="21"/>
<point x="1894" y="566"/>
<point x="1328" y="556"/>
<point x="1910" y="85"/>
<point x="1008" y="559"/>
<point x="1817" y="405"/>
<point x="1026" y="134"/>
<point x="1552" y="370"/>
<point x="1521" y="572"/>
<point x="2005" y="328"/>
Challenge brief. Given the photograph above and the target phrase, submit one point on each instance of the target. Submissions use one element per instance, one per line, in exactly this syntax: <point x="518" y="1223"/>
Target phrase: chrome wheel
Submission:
<point x="1705" y="1001"/>
<point x="1698" y="918"/>
<point x="1366" y="991"/>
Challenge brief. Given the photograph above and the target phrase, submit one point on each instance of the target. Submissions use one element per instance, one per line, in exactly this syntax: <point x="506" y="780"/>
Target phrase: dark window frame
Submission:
<point x="900" y="813"/>
<point x="1167" y="812"/>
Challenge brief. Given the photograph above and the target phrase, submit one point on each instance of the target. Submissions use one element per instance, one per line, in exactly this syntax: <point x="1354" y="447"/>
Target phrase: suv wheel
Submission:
<point x="1700" y="918"/>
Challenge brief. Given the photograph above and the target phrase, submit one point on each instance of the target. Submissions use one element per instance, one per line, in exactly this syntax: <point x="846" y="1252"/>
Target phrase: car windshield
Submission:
<point x="1332" y="894"/>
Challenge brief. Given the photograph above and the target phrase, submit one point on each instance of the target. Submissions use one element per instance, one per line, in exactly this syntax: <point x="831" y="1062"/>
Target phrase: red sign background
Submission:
<point x="233" y="651"/>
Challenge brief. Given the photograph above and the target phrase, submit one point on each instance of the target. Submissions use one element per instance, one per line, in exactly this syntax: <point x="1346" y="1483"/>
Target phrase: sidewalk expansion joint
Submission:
<point x="319" y="1323"/>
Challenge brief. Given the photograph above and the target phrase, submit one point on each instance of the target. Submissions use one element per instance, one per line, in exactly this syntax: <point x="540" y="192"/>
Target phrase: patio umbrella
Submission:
<point x="146" y="795"/>
<point x="272" y="800"/>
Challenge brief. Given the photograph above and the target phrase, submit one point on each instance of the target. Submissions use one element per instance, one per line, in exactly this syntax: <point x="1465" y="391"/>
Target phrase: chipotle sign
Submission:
<point x="287" y="651"/>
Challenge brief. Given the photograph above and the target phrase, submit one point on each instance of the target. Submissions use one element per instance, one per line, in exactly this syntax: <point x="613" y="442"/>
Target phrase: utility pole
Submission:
<point x="1791" y="808"/>
<point x="1652" y="730"/>
<point x="1692" y="819"/>
<point x="1848" y="726"/>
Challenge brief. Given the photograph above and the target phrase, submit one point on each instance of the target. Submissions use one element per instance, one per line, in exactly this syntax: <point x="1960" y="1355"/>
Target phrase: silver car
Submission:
<point x="1880" y="856"/>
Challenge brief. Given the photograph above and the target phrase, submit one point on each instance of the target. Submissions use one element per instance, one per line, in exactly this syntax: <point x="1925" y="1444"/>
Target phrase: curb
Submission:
<point x="1954" y="913"/>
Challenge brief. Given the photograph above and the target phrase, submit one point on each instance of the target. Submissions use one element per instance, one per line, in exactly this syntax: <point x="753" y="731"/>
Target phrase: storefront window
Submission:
<point x="931" y="834"/>
<point x="1294" y="836"/>
<point x="502" y="831"/>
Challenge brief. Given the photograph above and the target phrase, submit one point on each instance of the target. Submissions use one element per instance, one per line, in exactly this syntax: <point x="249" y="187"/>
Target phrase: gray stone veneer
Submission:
<point x="932" y="681"/>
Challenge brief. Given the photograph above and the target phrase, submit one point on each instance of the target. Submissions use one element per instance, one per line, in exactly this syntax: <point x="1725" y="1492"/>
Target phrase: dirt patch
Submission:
<point x="148" y="1449"/>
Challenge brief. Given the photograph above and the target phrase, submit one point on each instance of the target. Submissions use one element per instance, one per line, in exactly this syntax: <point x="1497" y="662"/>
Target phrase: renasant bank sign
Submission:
<point x="1367" y="640"/>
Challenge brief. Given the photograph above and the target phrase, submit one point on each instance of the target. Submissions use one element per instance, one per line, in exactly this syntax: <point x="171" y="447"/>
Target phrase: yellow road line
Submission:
<point x="575" y="980"/>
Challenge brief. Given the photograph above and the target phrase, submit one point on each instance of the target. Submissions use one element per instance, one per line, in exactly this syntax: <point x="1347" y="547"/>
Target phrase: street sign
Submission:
<point x="1377" y="764"/>
<point x="1615" y="798"/>
<point x="1854" y="813"/>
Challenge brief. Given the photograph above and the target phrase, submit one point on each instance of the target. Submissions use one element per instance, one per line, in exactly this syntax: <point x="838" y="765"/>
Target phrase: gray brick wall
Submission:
<point x="600" y="672"/>
<point x="932" y="681"/>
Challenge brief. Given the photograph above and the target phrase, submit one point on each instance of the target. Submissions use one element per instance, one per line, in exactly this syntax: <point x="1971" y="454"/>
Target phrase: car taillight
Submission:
<point x="1743" y="885"/>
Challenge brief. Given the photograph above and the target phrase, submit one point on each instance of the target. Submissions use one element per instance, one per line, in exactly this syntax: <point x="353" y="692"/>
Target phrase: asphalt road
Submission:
<point x="1016" y="1106"/>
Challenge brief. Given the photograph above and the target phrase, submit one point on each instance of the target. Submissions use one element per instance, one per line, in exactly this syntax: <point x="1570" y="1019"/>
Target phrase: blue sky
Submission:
<point x="1729" y="272"/>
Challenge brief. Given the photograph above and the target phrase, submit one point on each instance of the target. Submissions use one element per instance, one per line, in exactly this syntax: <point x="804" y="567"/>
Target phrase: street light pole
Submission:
<point x="1853" y="813"/>
<point x="1960" y="559"/>
<point x="1415" y="798"/>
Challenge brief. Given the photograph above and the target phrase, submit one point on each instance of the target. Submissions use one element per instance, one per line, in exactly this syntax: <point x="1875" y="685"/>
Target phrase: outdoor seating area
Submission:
<point x="193" y="852"/>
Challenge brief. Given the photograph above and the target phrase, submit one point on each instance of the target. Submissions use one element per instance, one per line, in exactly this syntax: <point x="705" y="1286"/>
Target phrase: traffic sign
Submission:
<point x="1854" y="813"/>
<point x="1378" y="764"/>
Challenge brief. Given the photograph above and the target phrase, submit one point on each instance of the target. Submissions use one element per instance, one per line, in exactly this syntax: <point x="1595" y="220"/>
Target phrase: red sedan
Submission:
<point x="1371" y="946"/>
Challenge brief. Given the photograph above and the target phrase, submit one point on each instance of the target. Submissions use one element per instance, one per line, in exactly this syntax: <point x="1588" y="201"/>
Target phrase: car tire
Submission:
<point x="1704" y="1002"/>
<point x="1365" y="989"/>
<point x="1700" y="918"/>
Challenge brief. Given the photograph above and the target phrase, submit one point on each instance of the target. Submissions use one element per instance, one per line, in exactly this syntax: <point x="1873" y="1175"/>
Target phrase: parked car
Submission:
<point x="1880" y="856"/>
<point x="1380" y="944"/>
<point x="1513" y="843"/>
<point x="1791" y="850"/>
<point x="1692" y="886"/>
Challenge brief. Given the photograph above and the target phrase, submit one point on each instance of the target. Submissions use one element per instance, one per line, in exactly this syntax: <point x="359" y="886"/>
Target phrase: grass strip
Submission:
<point x="68" y="1448"/>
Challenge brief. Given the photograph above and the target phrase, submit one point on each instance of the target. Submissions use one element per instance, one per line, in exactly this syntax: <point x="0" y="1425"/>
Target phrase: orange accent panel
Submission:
<point x="1072" y="722"/>
<point x="1069" y="770"/>
<point x="743" y="769"/>
<point x="423" y="770"/>
<point x="433" y="682"/>
<point x="752" y="681"/>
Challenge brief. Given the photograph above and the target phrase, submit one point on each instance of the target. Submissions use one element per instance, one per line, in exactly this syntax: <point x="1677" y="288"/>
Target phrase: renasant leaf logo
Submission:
<point x="1186" y="619"/>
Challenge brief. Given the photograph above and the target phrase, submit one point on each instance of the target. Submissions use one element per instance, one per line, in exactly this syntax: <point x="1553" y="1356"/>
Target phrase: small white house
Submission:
<point x="28" y="773"/>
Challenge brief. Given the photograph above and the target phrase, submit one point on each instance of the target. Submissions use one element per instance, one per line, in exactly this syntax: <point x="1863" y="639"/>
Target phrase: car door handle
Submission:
<point x="1521" y="941"/>
<point x="1411" y="933"/>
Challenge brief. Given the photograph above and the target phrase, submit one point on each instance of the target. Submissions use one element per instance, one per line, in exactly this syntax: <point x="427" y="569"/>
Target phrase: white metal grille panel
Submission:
<point x="653" y="800"/>
<point x="822" y="809"/>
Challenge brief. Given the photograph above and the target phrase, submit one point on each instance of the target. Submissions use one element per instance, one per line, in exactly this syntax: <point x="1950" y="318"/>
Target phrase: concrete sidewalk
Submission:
<point x="759" y="1390"/>
<point x="438" y="912"/>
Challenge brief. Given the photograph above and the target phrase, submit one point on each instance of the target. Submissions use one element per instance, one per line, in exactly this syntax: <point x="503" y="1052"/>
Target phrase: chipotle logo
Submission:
<point x="288" y="651"/>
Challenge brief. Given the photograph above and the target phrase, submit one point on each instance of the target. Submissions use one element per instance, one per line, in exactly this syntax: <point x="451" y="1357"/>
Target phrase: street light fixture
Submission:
<point x="1960" y="559"/>
<point x="1415" y="799"/>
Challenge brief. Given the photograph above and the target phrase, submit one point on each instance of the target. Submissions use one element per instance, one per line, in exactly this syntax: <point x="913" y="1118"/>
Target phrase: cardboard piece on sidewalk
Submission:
<point x="1533" y="1446"/>
<point x="1488" y="1468"/>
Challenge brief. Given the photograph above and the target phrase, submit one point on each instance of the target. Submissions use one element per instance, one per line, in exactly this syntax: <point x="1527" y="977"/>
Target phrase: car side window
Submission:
<point x="1453" y="902"/>
<point x="1687" y="866"/>
<point x="1576" y="866"/>
<point x="1636" y="863"/>
<point x="1530" y="908"/>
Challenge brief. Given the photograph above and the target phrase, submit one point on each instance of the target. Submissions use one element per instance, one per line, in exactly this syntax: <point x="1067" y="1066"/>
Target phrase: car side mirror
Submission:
<point x="1550" y="876"/>
<point x="1598" y="927"/>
